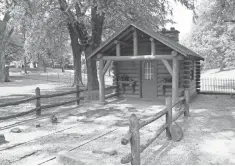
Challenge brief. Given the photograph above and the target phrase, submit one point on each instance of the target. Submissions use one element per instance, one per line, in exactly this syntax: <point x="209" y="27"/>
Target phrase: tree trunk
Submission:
<point x="53" y="63"/>
<point x="3" y="44"/>
<point x="2" y="67"/>
<point x="34" y="65"/>
<point x="44" y="66"/>
<point x="76" y="48"/>
<point x="92" y="79"/>
<point x="221" y="68"/>
<point x="62" y="65"/>
<point x="25" y="65"/>
<point x="97" y="21"/>
<point x="6" y="73"/>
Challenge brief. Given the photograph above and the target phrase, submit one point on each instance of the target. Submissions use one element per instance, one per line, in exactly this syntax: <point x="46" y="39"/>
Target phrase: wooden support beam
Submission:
<point x="106" y="66"/>
<point x="175" y="77"/>
<point x="167" y="65"/>
<point x="140" y="79"/>
<point x="122" y="43"/>
<point x="100" y="55"/>
<point x="140" y="57"/>
<point x="101" y="82"/>
<point x="118" y="49"/>
<point x="135" y="43"/>
<point x="153" y="46"/>
<point x="121" y="35"/>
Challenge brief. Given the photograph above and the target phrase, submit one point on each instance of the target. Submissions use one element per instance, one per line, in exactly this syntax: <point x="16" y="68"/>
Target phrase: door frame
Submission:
<point x="154" y="63"/>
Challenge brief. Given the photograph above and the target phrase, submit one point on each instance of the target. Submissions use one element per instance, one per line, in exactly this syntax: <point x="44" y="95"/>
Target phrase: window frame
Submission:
<point x="148" y="70"/>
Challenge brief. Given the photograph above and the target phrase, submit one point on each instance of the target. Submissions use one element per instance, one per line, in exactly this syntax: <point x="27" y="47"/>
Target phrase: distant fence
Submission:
<point x="217" y="85"/>
<point x="67" y="78"/>
<point x="133" y="135"/>
<point x="38" y="106"/>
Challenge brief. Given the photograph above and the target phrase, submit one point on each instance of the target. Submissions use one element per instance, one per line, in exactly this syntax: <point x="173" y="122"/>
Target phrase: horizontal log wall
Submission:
<point x="130" y="69"/>
<point x="162" y="73"/>
<point x="198" y="76"/>
<point x="189" y="79"/>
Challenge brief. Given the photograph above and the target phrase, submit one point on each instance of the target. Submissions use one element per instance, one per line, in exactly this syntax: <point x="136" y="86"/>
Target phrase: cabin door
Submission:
<point x="149" y="79"/>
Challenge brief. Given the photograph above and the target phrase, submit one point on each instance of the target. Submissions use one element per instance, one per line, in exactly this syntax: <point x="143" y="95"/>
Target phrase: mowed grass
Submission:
<point x="228" y="73"/>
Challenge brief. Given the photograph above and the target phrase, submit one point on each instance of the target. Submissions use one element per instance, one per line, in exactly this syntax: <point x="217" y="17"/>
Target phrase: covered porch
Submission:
<point x="143" y="58"/>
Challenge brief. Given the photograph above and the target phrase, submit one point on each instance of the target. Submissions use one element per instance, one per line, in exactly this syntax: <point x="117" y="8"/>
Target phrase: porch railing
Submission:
<point x="133" y="135"/>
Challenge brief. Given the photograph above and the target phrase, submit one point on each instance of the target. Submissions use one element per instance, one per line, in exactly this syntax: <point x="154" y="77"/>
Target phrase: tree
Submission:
<point x="211" y="36"/>
<point x="5" y="34"/>
<point x="52" y="38"/>
<point x="12" y="12"/>
<point x="89" y="21"/>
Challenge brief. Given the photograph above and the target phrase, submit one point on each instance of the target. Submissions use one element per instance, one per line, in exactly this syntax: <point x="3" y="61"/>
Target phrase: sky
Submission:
<point x="183" y="18"/>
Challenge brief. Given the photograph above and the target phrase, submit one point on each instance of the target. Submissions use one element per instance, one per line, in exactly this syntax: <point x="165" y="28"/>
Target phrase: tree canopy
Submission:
<point x="213" y="34"/>
<point x="82" y="23"/>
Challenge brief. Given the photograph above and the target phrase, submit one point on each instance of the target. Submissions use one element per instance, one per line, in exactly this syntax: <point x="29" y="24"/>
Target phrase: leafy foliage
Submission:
<point x="212" y="36"/>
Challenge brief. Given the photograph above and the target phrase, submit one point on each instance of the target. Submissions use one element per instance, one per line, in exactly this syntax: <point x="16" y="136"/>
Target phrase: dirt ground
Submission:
<point x="209" y="133"/>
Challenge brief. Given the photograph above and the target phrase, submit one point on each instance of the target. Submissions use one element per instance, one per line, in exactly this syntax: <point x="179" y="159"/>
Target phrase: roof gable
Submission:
<point x="156" y="35"/>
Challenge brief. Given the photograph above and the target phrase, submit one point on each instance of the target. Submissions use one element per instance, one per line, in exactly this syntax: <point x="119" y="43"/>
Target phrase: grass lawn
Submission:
<point x="228" y="73"/>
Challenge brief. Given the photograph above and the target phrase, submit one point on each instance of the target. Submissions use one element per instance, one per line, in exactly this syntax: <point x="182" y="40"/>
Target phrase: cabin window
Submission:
<point x="148" y="71"/>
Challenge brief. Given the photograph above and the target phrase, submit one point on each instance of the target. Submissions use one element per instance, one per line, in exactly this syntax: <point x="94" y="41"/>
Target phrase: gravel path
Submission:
<point x="208" y="134"/>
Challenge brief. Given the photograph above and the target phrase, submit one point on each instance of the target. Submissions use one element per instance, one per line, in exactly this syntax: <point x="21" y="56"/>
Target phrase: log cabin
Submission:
<point x="148" y="64"/>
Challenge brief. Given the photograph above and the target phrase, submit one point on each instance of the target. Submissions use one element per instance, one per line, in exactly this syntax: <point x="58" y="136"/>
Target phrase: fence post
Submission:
<point x="168" y="116"/>
<point x="186" y="95"/>
<point x="77" y="94"/>
<point x="38" y="101"/>
<point x="135" y="140"/>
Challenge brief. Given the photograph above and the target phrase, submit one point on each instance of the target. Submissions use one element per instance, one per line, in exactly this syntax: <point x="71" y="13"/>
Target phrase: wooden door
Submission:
<point x="149" y="81"/>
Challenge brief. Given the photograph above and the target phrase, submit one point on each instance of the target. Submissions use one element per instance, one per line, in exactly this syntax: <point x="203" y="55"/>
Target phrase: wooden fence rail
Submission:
<point x="133" y="135"/>
<point x="38" y="105"/>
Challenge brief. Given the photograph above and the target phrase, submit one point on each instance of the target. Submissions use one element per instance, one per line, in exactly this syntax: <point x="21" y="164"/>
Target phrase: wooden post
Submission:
<point x="118" y="48"/>
<point x="168" y="116"/>
<point x="175" y="77"/>
<point x="186" y="95"/>
<point x="135" y="140"/>
<point x="101" y="82"/>
<point x="38" y="101"/>
<point x="153" y="47"/>
<point x="77" y="94"/>
<point x="135" y="43"/>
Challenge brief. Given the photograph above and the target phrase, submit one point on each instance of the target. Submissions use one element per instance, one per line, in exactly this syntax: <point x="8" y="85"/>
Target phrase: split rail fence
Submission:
<point x="38" y="107"/>
<point x="133" y="135"/>
<point x="38" y="96"/>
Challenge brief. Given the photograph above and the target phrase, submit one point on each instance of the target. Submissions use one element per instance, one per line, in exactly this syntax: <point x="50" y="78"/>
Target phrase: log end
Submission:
<point x="124" y="141"/>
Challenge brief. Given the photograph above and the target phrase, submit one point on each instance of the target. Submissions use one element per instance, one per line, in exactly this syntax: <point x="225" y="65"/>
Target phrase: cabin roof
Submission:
<point x="156" y="35"/>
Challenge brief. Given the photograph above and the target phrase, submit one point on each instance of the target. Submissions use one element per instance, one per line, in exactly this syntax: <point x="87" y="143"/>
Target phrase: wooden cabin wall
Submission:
<point x="144" y="48"/>
<point x="192" y="89"/>
<point x="162" y="73"/>
<point x="189" y="77"/>
<point x="131" y="69"/>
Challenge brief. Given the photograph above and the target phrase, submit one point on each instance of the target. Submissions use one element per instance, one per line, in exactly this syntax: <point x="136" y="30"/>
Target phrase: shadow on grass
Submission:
<point x="227" y="69"/>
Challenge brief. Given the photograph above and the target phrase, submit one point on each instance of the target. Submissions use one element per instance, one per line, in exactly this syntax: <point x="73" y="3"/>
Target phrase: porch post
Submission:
<point x="118" y="48"/>
<point x="135" y="43"/>
<point x="175" y="77"/>
<point x="101" y="82"/>
<point x="153" y="48"/>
